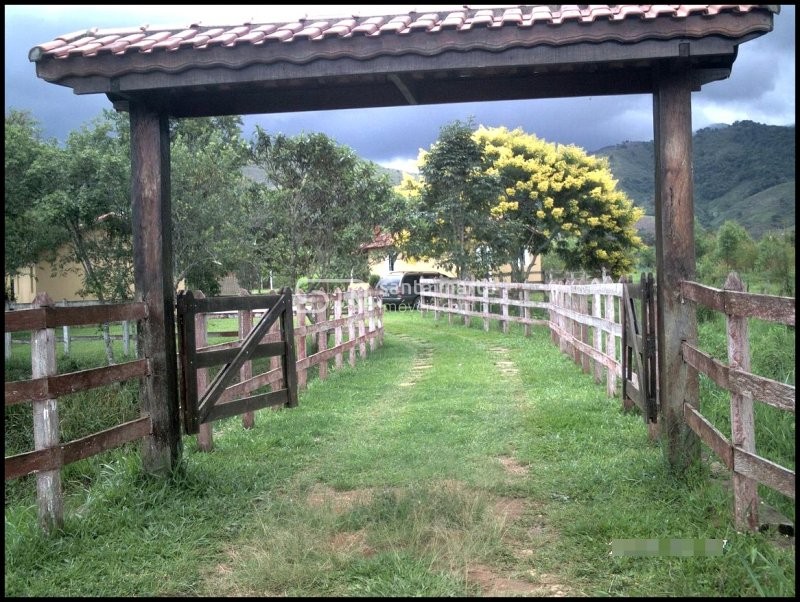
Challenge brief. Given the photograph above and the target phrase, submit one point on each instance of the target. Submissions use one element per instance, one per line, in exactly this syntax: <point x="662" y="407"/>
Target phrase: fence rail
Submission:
<point x="738" y="453"/>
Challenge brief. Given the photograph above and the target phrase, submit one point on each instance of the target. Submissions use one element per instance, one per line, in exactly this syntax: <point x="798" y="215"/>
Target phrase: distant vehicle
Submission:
<point x="398" y="289"/>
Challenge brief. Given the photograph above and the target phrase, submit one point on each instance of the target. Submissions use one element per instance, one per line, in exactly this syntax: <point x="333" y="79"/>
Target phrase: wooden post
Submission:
<point x="275" y="361"/>
<point x="152" y="246"/>
<point x="370" y="309"/>
<point x="437" y="288"/>
<point x="583" y="304"/>
<point x="205" y="435"/>
<point x="379" y="319"/>
<point x="45" y="425"/>
<point x="351" y="325"/>
<point x="126" y="338"/>
<point x="300" y="340"/>
<point x="743" y="434"/>
<point x="290" y="357"/>
<point x="246" y="371"/>
<point x="322" y="339"/>
<point x="486" y="306"/>
<point x="449" y="302"/>
<point x="598" y="334"/>
<point x="8" y="345"/>
<point x="526" y="311"/>
<point x="505" y="309"/>
<point x="337" y="332"/>
<point x="65" y="339"/>
<point x="362" y="330"/>
<point x="675" y="258"/>
<point x="611" y="349"/>
<point x="574" y="306"/>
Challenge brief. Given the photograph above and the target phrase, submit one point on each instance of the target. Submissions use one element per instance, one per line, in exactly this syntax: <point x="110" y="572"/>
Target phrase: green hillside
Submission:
<point x="743" y="172"/>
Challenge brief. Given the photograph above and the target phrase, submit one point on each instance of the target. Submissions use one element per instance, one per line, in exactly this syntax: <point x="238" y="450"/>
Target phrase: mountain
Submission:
<point x="743" y="172"/>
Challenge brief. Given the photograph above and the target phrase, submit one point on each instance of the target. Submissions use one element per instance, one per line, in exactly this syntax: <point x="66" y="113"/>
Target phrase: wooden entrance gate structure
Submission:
<point x="523" y="52"/>
<point x="197" y="409"/>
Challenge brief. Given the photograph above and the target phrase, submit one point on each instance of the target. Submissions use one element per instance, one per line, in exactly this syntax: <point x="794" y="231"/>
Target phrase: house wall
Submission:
<point x="38" y="279"/>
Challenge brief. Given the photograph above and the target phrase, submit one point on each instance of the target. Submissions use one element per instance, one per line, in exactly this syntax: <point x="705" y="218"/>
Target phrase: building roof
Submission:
<point x="526" y="51"/>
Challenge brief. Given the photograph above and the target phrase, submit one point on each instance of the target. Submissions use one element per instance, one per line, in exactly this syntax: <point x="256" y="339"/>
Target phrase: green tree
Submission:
<point x="88" y="207"/>
<point x="452" y="220"/>
<point x="558" y="199"/>
<point x="735" y="248"/>
<point x="26" y="237"/>
<point x="211" y="201"/>
<point x="776" y="260"/>
<point x="319" y="204"/>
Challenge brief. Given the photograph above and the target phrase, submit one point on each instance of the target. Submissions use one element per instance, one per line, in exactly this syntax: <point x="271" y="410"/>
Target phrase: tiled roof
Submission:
<point x="99" y="42"/>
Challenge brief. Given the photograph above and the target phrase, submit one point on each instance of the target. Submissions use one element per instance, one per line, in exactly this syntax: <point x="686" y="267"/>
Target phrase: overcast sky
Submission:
<point x="761" y="86"/>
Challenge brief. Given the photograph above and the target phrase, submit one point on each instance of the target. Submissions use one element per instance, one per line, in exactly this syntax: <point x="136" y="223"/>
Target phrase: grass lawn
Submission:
<point x="452" y="462"/>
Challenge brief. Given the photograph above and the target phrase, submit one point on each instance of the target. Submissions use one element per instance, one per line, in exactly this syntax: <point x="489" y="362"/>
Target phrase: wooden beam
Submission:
<point x="675" y="257"/>
<point x="152" y="246"/>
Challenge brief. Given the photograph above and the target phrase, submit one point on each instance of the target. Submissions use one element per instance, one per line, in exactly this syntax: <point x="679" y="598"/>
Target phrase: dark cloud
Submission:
<point x="761" y="87"/>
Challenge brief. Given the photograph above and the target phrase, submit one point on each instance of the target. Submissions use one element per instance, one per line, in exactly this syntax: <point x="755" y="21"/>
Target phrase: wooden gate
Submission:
<point x="198" y="410"/>
<point x="639" y="347"/>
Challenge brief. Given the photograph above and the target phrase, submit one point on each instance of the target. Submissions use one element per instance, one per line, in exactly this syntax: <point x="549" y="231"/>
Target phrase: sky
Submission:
<point x="761" y="87"/>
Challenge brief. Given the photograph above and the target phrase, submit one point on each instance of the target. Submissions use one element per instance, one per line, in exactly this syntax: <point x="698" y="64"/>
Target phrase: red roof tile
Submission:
<point x="125" y="41"/>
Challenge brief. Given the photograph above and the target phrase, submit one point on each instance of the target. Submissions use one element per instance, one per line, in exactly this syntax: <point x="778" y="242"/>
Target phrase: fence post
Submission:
<point x="611" y="348"/>
<point x="126" y="338"/>
<point x="598" y="335"/>
<point x="45" y="425"/>
<point x="246" y="371"/>
<point x="351" y="325"/>
<point x="745" y="490"/>
<point x="371" y="310"/>
<point x="575" y="326"/>
<point x="466" y="305"/>
<point x="362" y="329"/>
<point x="505" y="309"/>
<point x="583" y="304"/>
<point x="65" y="339"/>
<point x="337" y="332"/>
<point x="379" y="322"/>
<point x="437" y="289"/>
<point x="205" y="436"/>
<point x="300" y="340"/>
<point x="322" y="337"/>
<point x="526" y="311"/>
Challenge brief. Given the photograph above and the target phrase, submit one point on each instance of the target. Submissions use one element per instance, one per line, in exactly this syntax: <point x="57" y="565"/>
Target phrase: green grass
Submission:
<point x="452" y="462"/>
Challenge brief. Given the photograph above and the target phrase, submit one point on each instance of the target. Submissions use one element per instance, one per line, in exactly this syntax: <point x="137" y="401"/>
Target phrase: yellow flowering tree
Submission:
<point x="558" y="199"/>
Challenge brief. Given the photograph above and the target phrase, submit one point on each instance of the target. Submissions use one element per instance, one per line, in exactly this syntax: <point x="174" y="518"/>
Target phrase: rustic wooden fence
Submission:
<point x="328" y="327"/>
<point x="584" y="317"/>
<point x="585" y="320"/>
<point x="353" y="319"/>
<point x="46" y="386"/>
<point x="128" y="336"/>
<point x="738" y="453"/>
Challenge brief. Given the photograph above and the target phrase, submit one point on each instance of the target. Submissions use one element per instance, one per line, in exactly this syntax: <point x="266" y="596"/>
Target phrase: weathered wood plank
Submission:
<point x="233" y="303"/>
<point x="765" y="390"/>
<point x="206" y="359"/>
<point x="764" y="471"/>
<point x="55" y="457"/>
<point x="709" y="434"/>
<point x="247" y="404"/>
<point x="741" y="304"/>
<point x="56" y="317"/>
<point x="64" y="384"/>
